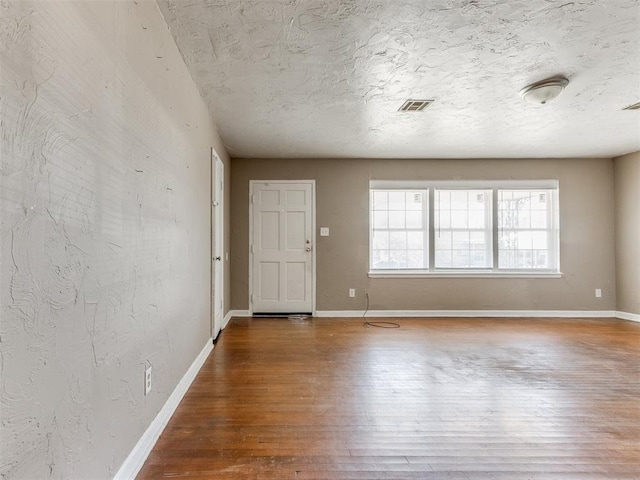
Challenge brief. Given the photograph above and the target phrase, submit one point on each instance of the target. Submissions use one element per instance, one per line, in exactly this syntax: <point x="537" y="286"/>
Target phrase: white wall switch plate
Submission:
<point x="598" y="292"/>
<point x="352" y="292"/>
<point x="324" y="231"/>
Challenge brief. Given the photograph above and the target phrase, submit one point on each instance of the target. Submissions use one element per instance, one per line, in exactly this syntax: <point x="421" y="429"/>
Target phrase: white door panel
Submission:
<point x="217" y="244"/>
<point x="282" y="247"/>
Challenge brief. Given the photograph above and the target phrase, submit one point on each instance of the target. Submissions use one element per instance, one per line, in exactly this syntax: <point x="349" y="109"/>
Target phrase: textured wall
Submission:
<point x="627" y="184"/>
<point x="104" y="231"/>
<point x="586" y="239"/>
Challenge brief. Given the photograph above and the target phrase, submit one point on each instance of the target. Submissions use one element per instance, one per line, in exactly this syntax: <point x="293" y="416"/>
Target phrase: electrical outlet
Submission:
<point x="598" y="292"/>
<point x="352" y="292"/>
<point x="147" y="379"/>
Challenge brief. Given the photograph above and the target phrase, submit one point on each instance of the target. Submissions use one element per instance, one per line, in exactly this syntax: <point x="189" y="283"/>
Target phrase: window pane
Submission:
<point x="443" y="219"/>
<point x="477" y="241"/>
<point x="521" y="197"/>
<point x="414" y="201"/>
<point x="375" y="258"/>
<point x="539" y="240"/>
<point x="460" y="240"/>
<point x="524" y="219"/>
<point x="443" y="198"/>
<point x="443" y="241"/>
<point x="414" y="219"/>
<point x="380" y="200"/>
<point x="398" y="258"/>
<point x="538" y="219"/>
<point x="396" y="201"/>
<point x="478" y="258"/>
<point x="469" y="229"/>
<point x="477" y="218"/>
<point x="398" y="240"/>
<point x="542" y="259"/>
<point x="524" y="240"/>
<point x="506" y="259"/>
<point x="477" y="201"/>
<point x="399" y="232"/>
<point x="460" y="259"/>
<point x="539" y="200"/>
<point x="459" y="219"/>
<point x="415" y="240"/>
<point x="459" y="200"/>
<point x="380" y="259"/>
<point x="396" y="219"/>
<point x="523" y="259"/>
<point x="507" y="240"/>
<point x="380" y="219"/>
<point x="415" y="259"/>
<point x="443" y="258"/>
<point x="526" y="236"/>
<point x="380" y="240"/>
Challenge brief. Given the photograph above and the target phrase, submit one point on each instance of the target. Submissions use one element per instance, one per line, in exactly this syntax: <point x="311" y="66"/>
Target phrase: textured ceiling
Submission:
<point x="325" y="78"/>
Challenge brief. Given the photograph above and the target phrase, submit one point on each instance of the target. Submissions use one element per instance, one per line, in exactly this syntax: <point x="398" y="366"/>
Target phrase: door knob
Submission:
<point x="308" y="249"/>
<point x="217" y="259"/>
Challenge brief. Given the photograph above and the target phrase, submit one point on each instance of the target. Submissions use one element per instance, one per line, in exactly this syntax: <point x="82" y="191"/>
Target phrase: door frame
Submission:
<point x="217" y="244"/>
<point x="252" y="183"/>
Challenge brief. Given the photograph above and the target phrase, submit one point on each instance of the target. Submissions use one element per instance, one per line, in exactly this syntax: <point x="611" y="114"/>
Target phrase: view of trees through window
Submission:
<point x="524" y="229"/>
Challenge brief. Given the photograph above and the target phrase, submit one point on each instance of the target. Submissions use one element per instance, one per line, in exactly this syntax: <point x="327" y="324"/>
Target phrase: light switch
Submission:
<point x="324" y="231"/>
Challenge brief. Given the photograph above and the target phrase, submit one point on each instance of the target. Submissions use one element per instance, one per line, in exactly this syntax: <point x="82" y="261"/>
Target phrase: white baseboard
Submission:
<point x="141" y="451"/>
<point x="341" y="313"/>
<point x="628" y="316"/>
<point x="470" y="313"/>
<point x="225" y="320"/>
<point x="461" y="313"/>
<point x="234" y="313"/>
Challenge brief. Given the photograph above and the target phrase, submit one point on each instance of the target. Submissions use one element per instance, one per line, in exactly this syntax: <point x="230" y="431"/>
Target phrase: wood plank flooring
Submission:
<point x="464" y="399"/>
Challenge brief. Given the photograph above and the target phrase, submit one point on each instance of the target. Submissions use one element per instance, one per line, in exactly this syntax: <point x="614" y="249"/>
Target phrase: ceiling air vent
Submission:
<point x="415" y="105"/>
<point x="635" y="106"/>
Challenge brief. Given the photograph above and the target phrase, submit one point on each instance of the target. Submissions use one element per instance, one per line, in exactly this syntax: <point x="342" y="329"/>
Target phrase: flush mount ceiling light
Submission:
<point x="544" y="91"/>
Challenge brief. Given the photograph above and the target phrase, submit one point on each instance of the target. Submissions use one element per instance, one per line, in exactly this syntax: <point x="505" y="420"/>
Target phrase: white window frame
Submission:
<point x="488" y="232"/>
<point x="425" y="226"/>
<point x="495" y="186"/>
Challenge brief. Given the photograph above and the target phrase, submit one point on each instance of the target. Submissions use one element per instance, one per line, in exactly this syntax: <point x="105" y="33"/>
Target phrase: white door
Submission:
<point x="217" y="244"/>
<point x="282" y="257"/>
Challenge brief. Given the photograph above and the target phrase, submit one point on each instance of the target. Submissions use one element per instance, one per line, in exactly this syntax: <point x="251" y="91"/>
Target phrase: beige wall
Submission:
<point x="587" y="235"/>
<point x="105" y="231"/>
<point x="627" y="188"/>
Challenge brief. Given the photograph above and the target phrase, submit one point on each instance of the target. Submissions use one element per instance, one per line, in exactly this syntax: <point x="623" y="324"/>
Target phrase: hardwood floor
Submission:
<point x="467" y="399"/>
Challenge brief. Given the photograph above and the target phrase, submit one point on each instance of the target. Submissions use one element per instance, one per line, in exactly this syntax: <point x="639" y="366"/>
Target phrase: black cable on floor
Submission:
<point x="377" y="324"/>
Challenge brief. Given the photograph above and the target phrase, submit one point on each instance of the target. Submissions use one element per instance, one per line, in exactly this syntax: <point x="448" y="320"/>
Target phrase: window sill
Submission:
<point x="462" y="274"/>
